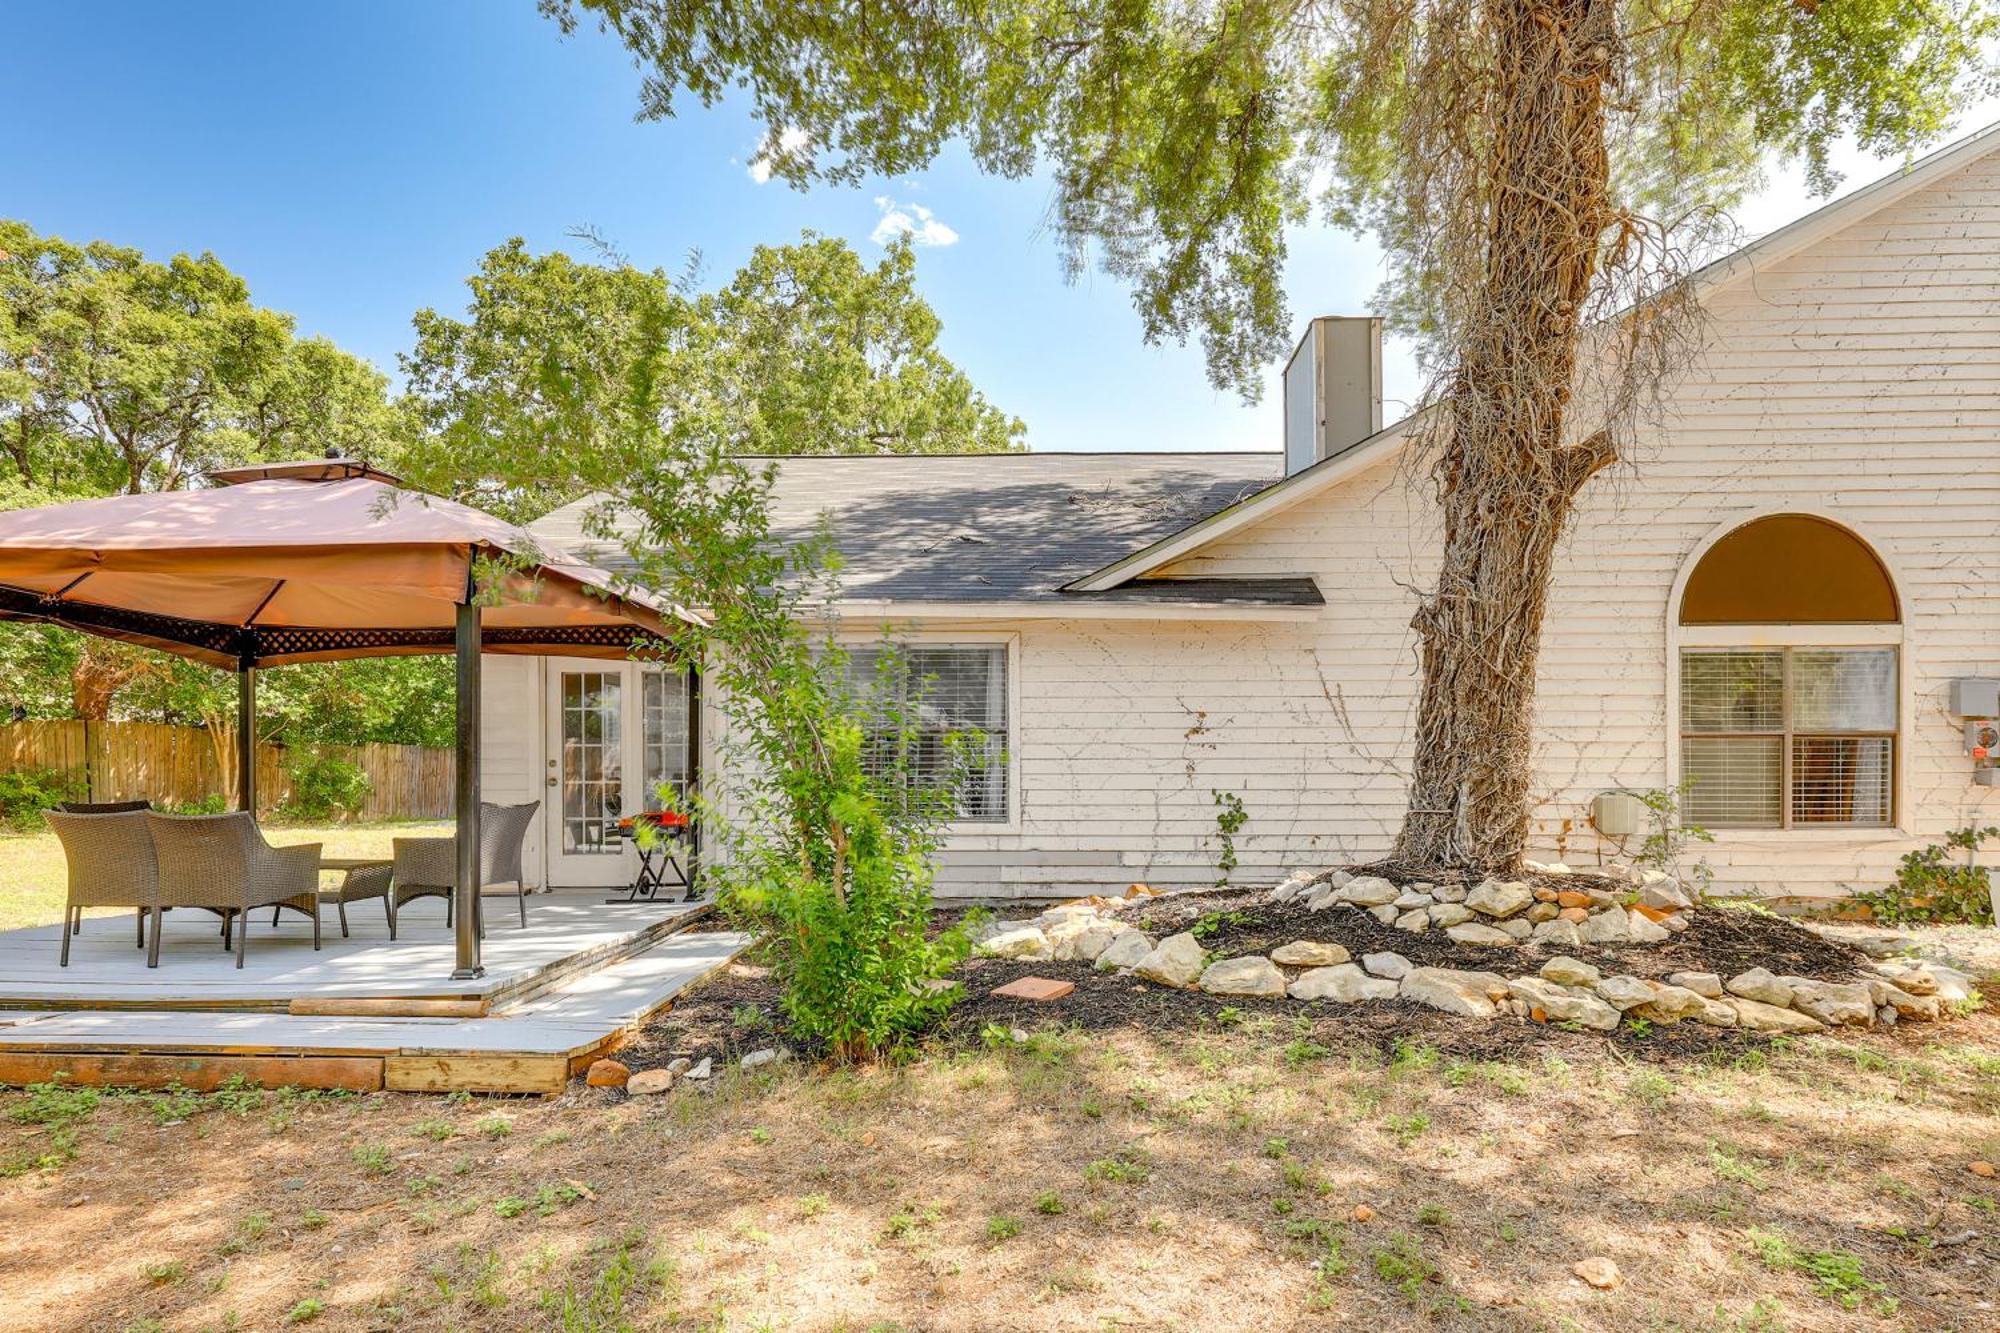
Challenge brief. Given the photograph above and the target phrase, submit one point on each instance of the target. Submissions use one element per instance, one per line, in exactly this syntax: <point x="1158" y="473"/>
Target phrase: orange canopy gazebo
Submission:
<point x="316" y="561"/>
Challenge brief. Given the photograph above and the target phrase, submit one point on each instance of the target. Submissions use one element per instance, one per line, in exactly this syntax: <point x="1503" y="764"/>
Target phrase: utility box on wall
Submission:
<point x="1975" y="696"/>
<point x="1617" y="814"/>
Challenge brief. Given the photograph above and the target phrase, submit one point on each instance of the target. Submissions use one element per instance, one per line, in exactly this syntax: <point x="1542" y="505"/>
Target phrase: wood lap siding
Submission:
<point x="1859" y="378"/>
<point x="175" y="766"/>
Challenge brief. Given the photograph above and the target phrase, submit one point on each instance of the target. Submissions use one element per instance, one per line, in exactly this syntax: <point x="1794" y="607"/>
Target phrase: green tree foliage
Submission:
<point x="601" y="379"/>
<point x="1532" y="168"/>
<point x="806" y="350"/>
<point x="120" y="373"/>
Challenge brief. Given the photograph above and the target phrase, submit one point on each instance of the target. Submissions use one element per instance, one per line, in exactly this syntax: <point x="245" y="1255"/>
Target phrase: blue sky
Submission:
<point x="354" y="160"/>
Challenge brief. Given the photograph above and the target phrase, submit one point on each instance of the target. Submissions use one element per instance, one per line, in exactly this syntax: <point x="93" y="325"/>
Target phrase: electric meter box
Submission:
<point x="1975" y="696"/>
<point x="1617" y="814"/>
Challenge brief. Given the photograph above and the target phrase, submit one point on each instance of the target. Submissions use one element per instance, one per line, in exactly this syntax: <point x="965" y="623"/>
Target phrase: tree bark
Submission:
<point x="1506" y="482"/>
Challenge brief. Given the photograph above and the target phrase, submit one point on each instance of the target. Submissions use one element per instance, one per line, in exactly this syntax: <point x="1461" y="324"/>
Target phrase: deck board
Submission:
<point x="565" y="929"/>
<point x="568" y="1021"/>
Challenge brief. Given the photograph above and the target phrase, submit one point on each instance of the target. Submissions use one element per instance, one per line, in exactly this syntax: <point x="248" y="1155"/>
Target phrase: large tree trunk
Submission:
<point x="1506" y="483"/>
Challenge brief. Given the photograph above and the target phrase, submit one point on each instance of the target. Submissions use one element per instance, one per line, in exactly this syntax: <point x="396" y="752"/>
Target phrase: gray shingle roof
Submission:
<point x="1001" y="527"/>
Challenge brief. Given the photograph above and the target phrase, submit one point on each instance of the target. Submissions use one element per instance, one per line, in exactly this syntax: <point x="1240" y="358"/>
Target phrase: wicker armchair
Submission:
<point x="108" y="808"/>
<point x="428" y="867"/>
<point x="111" y="864"/>
<point x="222" y="862"/>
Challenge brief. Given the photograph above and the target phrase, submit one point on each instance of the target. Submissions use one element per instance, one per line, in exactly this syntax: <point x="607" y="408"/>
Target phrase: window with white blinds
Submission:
<point x="1788" y="737"/>
<point x="954" y="700"/>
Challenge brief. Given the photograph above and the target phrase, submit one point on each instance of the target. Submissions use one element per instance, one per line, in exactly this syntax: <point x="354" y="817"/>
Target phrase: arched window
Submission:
<point x="1788" y="679"/>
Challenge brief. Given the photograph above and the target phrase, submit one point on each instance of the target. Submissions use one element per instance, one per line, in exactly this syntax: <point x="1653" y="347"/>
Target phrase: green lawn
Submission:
<point x="33" y="878"/>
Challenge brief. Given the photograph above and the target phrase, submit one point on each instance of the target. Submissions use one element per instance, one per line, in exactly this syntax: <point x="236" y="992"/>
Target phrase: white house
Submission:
<point x="1770" y="603"/>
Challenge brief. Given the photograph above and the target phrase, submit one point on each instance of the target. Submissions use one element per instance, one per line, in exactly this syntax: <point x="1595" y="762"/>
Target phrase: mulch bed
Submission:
<point x="1716" y="940"/>
<point x="738" y="1011"/>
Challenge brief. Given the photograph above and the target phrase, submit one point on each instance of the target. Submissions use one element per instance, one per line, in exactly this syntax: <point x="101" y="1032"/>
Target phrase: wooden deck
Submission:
<point x="362" y="1013"/>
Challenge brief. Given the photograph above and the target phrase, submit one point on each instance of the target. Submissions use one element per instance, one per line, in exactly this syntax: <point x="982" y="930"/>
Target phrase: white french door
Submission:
<point x="618" y="731"/>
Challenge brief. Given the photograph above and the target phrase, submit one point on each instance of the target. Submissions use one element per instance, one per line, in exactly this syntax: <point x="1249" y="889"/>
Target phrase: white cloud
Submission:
<point x="791" y="140"/>
<point x="911" y="220"/>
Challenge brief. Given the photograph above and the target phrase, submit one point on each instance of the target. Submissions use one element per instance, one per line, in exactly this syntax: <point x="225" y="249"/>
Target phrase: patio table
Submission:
<point x="361" y="877"/>
<point x="656" y="856"/>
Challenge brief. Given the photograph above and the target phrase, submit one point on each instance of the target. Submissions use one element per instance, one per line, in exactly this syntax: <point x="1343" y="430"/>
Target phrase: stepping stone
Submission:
<point x="1034" y="989"/>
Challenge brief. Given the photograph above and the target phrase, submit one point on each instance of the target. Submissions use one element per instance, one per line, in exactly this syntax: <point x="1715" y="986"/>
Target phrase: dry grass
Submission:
<point x="1190" y="1181"/>
<point x="32" y="873"/>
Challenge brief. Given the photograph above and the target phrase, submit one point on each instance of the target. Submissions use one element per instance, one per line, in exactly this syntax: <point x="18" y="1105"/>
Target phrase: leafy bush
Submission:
<point x="830" y="842"/>
<point x="323" y="786"/>
<point x="26" y="793"/>
<point x="1932" y="884"/>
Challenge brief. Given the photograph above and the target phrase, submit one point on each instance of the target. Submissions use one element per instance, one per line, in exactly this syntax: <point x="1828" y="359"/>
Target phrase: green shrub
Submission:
<point x="1932" y="884"/>
<point x="323" y="786"/>
<point x="25" y="793"/>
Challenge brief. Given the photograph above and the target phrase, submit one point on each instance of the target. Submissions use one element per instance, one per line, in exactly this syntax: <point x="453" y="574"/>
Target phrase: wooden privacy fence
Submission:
<point x="175" y="766"/>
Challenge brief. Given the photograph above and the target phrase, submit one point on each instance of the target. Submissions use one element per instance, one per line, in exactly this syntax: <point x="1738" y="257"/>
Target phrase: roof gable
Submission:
<point x="1771" y="249"/>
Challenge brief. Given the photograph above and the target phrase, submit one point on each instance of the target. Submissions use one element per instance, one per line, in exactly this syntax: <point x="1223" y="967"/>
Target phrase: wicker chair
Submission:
<point x="222" y="862"/>
<point x="111" y="864"/>
<point x="428" y="867"/>
<point x="107" y="808"/>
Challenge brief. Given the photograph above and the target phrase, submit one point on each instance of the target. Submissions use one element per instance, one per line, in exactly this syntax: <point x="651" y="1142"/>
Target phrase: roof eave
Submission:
<point x="1767" y="250"/>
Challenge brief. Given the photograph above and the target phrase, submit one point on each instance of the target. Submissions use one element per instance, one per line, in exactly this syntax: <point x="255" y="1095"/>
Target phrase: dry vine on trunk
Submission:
<point x="1519" y="201"/>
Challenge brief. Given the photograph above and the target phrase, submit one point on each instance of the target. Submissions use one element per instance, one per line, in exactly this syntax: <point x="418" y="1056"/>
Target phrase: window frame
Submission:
<point x="1787" y="733"/>
<point x="944" y="638"/>
<point x="1908" y="664"/>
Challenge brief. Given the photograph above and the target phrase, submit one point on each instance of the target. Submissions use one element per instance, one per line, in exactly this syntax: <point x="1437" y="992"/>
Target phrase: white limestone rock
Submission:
<point x="1761" y="1017"/>
<point x="1391" y="965"/>
<point x="1833" y="1003"/>
<point x="1128" y="948"/>
<point x="1021" y="941"/>
<point x="1609" y="926"/>
<point x="1642" y="929"/>
<point x="1290" y="888"/>
<point x="1369" y="891"/>
<point x="1386" y="913"/>
<point x="1090" y="943"/>
<point x="1174" y="961"/>
<point x="1309" y="953"/>
<point x="1517" y="928"/>
<point x="1670" y="1004"/>
<point x="1901" y="1003"/>
<point x="1664" y="893"/>
<point x="1557" y="935"/>
<point x="1705" y="984"/>
<point x="1482" y="936"/>
<point x="1623" y="993"/>
<point x="1759" y="985"/>
<point x="1344" y="983"/>
<point x="1570" y="972"/>
<point x="1411" y="899"/>
<point x="1559" y="1004"/>
<point x="1499" y="898"/>
<point x="1717" y="1014"/>
<point x="1254" y="975"/>
<point x="1446" y="915"/>
<point x="1467" y="994"/>
<point x="1416" y="920"/>
<point x="1449" y="893"/>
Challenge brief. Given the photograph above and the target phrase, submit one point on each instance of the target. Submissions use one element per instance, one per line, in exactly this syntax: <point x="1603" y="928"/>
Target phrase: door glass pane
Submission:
<point x="1732" y="690"/>
<point x="1732" y="781"/>
<point x="663" y="733"/>
<point x="592" y="762"/>
<point x="1844" y="689"/>
<point x="1841" y="779"/>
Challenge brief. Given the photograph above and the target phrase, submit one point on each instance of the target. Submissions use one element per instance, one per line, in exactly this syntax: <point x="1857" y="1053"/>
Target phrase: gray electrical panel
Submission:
<point x="1975" y="696"/>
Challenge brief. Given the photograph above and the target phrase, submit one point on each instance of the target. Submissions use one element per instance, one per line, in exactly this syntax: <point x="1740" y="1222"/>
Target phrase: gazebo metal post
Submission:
<point x="466" y="889"/>
<point x="246" y="737"/>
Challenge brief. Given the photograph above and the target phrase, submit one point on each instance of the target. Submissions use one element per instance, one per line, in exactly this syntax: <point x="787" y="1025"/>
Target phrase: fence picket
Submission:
<point x="169" y="765"/>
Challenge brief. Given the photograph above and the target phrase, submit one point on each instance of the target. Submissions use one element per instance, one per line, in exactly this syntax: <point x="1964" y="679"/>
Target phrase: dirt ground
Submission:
<point x="1202" y="1174"/>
